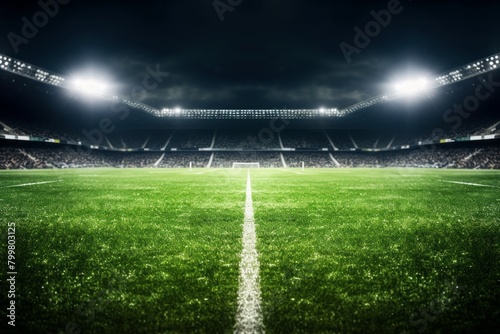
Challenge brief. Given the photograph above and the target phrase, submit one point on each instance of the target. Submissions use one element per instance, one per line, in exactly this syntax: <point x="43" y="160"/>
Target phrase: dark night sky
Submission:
<point x="265" y="54"/>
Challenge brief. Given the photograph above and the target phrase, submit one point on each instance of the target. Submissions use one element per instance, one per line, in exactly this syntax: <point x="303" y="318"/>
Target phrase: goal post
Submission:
<point x="246" y="165"/>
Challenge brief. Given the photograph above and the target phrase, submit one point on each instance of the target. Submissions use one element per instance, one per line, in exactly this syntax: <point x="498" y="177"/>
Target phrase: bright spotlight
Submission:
<point x="177" y="110"/>
<point x="90" y="86"/>
<point x="322" y="110"/>
<point x="412" y="87"/>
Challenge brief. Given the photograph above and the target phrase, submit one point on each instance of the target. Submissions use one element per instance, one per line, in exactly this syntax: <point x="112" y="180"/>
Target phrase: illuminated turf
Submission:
<point x="158" y="251"/>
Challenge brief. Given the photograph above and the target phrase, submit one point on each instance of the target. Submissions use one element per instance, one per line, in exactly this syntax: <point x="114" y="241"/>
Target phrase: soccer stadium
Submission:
<point x="237" y="166"/>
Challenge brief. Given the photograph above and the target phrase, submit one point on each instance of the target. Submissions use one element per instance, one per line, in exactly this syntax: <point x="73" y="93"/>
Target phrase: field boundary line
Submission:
<point x="470" y="184"/>
<point x="31" y="184"/>
<point x="249" y="316"/>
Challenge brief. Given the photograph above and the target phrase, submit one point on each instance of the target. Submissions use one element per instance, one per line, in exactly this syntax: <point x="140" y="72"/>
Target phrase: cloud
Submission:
<point x="304" y="83"/>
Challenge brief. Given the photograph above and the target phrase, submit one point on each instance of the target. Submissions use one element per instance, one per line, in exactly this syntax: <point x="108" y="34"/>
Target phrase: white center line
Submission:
<point x="470" y="184"/>
<point x="249" y="317"/>
<point x="30" y="184"/>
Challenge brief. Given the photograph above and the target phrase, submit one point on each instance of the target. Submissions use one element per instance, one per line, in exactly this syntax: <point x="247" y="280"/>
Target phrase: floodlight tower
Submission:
<point x="94" y="88"/>
<point x="468" y="71"/>
<point x="90" y="87"/>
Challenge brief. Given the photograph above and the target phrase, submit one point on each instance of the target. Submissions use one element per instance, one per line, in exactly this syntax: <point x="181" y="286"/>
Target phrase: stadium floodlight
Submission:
<point x="412" y="87"/>
<point x="93" y="87"/>
<point x="468" y="71"/>
<point x="98" y="88"/>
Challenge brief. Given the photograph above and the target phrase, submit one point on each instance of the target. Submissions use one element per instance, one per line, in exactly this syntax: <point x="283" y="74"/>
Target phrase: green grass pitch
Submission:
<point x="341" y="251"/>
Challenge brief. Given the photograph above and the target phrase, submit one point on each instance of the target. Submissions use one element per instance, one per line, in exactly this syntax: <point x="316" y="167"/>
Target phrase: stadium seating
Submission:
<point x="27" y="156"/>
<point x="180" y="148"/>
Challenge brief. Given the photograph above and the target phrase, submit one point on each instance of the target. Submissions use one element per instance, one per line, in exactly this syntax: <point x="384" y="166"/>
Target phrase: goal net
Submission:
<point x="246" y="165"/>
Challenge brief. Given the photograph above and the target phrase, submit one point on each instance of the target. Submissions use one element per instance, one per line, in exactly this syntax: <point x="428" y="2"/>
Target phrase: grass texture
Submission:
<point x="341" y="251"/>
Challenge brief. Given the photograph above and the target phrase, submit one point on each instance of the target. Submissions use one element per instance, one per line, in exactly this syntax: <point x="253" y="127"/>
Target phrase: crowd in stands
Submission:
<point x="225" y="142"/>
<point x="305" y="139"/>
<point x="310" y="159"/>
<point x="40" y="131"/>
<point x="74" y="157"/>
<point x="12" y="158"/>
<point x="425" y="157"/>
<point x="256" y="139"/>
<point x="136" y="139"/>
<point x="363" y="138"/>
<point x="66" y="156"/>
<point x="183" y="159"/>
<point x="340" y="139"/>
<point x="487" y="158"/>
<point x="445" y="131"/>
<point x="63" y="156"/>
<point x="191" y="139"/>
